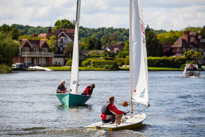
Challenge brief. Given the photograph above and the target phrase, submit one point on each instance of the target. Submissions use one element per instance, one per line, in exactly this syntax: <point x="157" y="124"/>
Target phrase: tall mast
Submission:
<point x="137" y="56"/>
<point x="75" y="57"/>
<point x="130" y="60"/>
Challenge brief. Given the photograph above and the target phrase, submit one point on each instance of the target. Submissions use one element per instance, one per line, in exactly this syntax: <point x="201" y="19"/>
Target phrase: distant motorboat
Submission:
<point x="191" y="70"/>
<point x="39" y="68"/>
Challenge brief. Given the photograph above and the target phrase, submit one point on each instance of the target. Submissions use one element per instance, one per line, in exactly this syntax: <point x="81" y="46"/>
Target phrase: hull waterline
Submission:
<point x="72" y="99"/>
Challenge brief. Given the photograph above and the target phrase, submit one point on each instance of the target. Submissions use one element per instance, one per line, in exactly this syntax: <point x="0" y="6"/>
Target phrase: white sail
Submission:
<point x="75" y="58"/>
<point x="138" y="55"/>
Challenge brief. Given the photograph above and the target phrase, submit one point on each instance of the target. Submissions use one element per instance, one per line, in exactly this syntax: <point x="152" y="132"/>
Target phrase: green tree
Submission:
<point x="109" y="39"/>
<point x="169" y="37"/>
<point x="126" y="48"/>
<point x="194" y="56"/>
<point x="29" y="37"/>
<point x="64" y="23"/>
<point x="8" y="48"/>
<point x="14" y="33"/>
<point x="195" y="29"/>
<point x="52" y="42"/>
<point x="91" y="43"/>
<point x="154" y="47"/>
<point x="85" y="63"/>
<point x="68" y="51"/>
<point x="203" y="32"/>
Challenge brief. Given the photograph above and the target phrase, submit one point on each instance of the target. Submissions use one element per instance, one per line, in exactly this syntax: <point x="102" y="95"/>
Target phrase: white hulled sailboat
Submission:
<point x="138" y="72"/>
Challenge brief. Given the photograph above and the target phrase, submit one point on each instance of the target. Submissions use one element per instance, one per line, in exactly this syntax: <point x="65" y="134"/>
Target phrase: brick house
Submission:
<point x="63" y="36"/>
<point x="189" y="41"/>
<point x="34" y="52"/>
<point x="168" y="50"/>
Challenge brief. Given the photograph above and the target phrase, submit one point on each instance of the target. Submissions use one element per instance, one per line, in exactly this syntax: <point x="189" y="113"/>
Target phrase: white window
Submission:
<point x="62" y="39"/>
<point x="194" y="49"/>
<point x="200" y="49"/>
<point x="45" y="49"/>
<point x="26" y="49"/>
<point x="202" y="40"/>
<point x="61" y="48"/>
<point x="36" y="49"/>
<point x="184" y="49"/>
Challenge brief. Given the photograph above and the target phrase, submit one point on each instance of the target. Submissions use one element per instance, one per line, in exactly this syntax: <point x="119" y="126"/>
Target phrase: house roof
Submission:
<point x="115" y="47"/>
<point x="68" y="32"/>
<point x="34" y="43"/>
<point x="43" y="35"/>
<point x="189" y="40"/>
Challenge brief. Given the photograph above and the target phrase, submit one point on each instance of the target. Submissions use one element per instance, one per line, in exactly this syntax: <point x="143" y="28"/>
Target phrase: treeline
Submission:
<point x="9" y="48"/>
<point x="90" y="39"/>
<point x="170" y="62"/>
<point x="97" y="39"/>
<point x="29" y="30"/>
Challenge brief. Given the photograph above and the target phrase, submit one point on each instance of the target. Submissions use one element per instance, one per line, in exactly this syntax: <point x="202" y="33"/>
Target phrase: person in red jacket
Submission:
<point x="88" y="90"/>
<point x="110" y="113"/>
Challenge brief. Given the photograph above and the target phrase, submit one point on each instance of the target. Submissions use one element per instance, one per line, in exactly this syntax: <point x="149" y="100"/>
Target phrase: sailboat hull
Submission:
<point x="127" y="122"/>
<point x="72" y="99"/>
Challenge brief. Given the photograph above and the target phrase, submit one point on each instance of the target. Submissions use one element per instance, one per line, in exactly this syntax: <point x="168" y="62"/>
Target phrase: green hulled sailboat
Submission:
<point x="73" y="98"/>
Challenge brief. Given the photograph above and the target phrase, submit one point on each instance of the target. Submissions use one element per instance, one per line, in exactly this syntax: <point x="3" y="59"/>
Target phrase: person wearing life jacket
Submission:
<point x="110" y="113"/>
<point x="88" y="90"/>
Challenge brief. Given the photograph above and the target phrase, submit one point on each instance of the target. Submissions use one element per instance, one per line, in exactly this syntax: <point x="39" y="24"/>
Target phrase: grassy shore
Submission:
<point x="69" y="68"/>
<point x="157" y="69"/>
<point x="163" y="69"/>
<point x="5" y="69"/>
<point x="122" y="68"/>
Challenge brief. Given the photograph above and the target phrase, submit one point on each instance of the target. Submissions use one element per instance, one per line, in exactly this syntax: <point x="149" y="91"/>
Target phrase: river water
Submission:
<point x="29" y="106"/>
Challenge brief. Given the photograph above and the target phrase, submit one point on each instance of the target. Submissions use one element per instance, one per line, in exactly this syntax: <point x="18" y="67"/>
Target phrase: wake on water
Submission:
<point x="71" y="132"/>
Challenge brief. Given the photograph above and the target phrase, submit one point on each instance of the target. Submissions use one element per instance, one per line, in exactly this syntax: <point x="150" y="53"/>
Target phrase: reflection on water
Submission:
<point x="29" y="106"/>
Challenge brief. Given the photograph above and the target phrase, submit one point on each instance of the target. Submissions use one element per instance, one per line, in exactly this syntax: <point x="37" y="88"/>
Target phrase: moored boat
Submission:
<point x="191" y="70"/>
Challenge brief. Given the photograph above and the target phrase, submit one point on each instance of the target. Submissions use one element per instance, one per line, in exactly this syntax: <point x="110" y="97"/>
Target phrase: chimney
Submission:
<point x="186" y="35"/>
<point x="33" y="36"/>
<point x="49" y="30"/>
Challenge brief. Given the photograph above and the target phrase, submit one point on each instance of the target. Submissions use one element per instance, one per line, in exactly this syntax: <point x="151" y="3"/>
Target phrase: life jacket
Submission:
<point x="88" y="91"/>
<point x="105" y="109"/>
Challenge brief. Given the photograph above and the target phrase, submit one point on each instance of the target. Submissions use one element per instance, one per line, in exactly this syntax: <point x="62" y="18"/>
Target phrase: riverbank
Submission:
<point x="66" y="68"/>
<point x="5" y="69"/>
<point x="121" y="68"/>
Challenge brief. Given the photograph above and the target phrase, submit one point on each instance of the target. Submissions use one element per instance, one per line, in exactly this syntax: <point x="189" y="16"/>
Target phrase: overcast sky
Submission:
<point x="158" y="14"/>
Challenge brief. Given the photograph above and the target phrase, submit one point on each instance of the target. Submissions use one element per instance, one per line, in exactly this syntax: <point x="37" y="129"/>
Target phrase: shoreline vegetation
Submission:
<point x="6" y="69"/>
<point x="121" y="68"/>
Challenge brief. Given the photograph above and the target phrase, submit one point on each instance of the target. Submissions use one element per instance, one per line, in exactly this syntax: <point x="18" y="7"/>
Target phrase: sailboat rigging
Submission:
<point x="138" y="72"/>
<point x="73" y="98"/>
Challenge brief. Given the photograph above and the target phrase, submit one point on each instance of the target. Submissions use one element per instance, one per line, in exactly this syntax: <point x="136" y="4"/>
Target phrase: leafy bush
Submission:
<point x="85" y="63"/>
<point x="5" y="68"/>
<point x="109" y="64"/>
<point x="166" y="61"/>
<point x="122" y="61"/>
<point x="69" y="63"/>
<point x="179" y="61"/>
